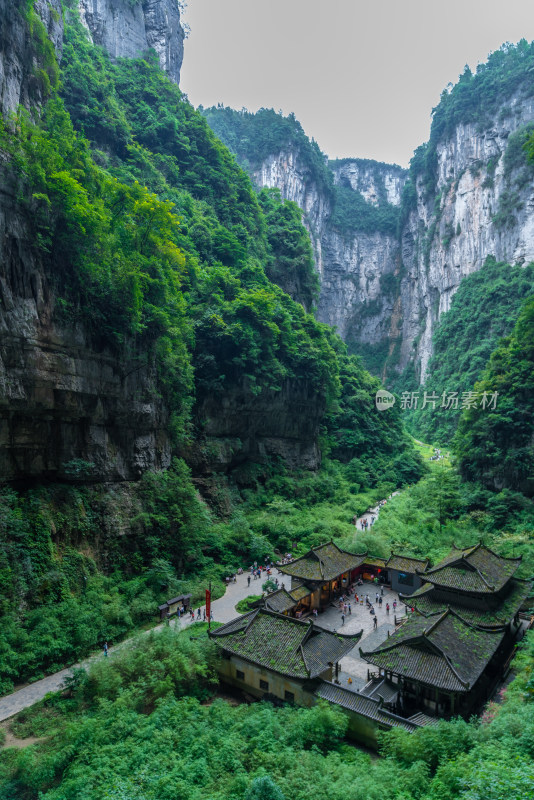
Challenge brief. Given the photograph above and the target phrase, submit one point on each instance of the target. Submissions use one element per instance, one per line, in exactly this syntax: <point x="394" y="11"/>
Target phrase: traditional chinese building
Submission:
<point x="322" y="573"/>
<point x="272" y="656"/>
<point x="325" y="571"/>
<point x="403" y="572"/>
<point x="447" y="656"/>
<point x="265" y="653"/>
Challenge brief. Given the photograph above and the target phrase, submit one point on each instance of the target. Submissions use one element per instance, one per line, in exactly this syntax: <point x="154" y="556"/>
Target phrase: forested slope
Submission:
<point x="151" y="243"/>
<point x="485" y="308"/>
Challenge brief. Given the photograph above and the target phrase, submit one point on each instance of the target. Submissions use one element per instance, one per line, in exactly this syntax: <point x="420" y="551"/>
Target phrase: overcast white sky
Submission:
<point x="361" y="75"/>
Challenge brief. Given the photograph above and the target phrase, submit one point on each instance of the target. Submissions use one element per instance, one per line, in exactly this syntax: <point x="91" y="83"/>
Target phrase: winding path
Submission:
<point x="223" y="611"/>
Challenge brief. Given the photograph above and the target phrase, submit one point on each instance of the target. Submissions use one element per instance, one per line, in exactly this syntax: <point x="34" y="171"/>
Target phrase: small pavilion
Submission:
<point x="320" y="575"/>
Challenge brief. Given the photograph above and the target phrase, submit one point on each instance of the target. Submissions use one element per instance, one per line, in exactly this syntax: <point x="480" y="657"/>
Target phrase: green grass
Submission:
<point x="245" y="605"/>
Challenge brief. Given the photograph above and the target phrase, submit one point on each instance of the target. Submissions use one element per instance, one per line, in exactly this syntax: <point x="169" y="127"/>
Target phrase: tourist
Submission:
<point x="380" y="600"/>
<point x="376" y="598"/>
<point x="248" y="580"/>
<point x="343" y="619"/>
<point x="382" y="591"/>
<point x="350" y="609"/>
<point x="204" y="615"/>
<point x="387" y="608"/>
<point x="105" y="649"/>
<point x="198" y="613"/>
<point x="375" y="623"/>
<point x="394" y="605"/>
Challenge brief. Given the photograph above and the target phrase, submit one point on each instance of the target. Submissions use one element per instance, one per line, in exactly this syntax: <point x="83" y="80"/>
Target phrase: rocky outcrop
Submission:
<point x="18" y="61"/>
<point x="64" y="400"/>
<point x="485" y="198"/>
<point x="353" y="265"/>
<point x="353" y="293"/>
<point x="128" y="28"/>
<point x="288" y="172"/>
<point x="241" y="426"/>
<point x="69" y="408"/>
<point x="375" y="181"/>
<point x="384" y="292"/>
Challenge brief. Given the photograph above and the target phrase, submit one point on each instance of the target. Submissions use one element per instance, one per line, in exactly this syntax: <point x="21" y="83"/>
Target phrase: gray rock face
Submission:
<point x="240" y="426"/>
<point x="352" y="265"/>
<point x="18" y="85"/>
<point x="486" y="209"/>
<point x="352" y="295"/>
<point x="61" y="398"/>
<point x="128" y="28"/>
<point x="287" y="172"/>
<point x="372" y="179"/>
<point x="70" y="407"/>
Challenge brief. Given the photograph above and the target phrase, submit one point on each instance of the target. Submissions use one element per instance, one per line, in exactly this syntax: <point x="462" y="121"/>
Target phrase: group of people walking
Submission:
<point x="346" y="608"/>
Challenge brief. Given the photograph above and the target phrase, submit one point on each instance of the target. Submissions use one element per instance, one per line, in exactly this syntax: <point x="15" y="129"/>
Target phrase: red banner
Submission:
<point x="208" y="604"/>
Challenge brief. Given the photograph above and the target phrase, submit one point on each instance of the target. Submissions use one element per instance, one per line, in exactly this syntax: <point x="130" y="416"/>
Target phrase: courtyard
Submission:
<point x="352" y="666"/>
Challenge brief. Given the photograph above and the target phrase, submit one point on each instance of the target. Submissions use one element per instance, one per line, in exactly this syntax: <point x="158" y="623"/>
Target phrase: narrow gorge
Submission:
<point x="393" y="245"/>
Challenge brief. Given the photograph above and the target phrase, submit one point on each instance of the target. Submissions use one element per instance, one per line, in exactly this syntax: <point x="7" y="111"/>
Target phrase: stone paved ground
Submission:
<point x="361" y="619"/>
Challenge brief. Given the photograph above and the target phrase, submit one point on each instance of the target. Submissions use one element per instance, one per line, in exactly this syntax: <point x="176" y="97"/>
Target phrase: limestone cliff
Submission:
<point x="240" y="426"/>
<point x="358" y="268"/>
<point x="72" y="407"/>
<point x="63" y="398"/>
<point x="128" y="28"/>
<point x="482" y="205"/>
<point x="18" y="63"/>
<point x="385" y="288"/>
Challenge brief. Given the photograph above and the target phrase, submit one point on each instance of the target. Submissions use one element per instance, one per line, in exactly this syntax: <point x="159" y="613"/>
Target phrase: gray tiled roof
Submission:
<point x="493" y="617"/>
<point x="423" y="719"/>
<point x="381" y="689"/>
<point x="442" y="651"/>
<point x="323" y="563"/>
<point x="300" y="591"/>
<point x="323" y="648"/>
<point x="292" y="647"/>
<point x="279" y="601"/>
<point x="475" y="569"/>
<point x="406" y="563"/>
<point x="366" y="706"/>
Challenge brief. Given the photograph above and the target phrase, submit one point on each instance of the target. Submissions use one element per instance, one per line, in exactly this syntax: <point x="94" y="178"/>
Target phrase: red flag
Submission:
<point x="208" y="604"/>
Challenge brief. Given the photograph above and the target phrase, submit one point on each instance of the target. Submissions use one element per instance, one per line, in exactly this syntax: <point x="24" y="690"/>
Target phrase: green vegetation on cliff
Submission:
<point x="475" y="99"/>
<point x="464" y="341"/>
<point x="253" y="137"/>
<point x="496" y="447"/>
<point x="291" y="266"/>
<point x="352" y="213"/>
<point x="153" y="238"/>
